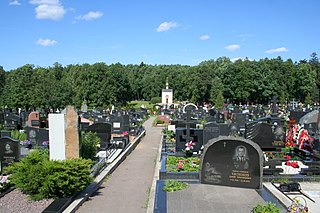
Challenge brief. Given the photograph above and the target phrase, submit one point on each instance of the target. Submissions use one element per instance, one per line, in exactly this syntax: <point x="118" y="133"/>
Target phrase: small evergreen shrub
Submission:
<point x="41" y="178"/>
<point x="89" y="145"/>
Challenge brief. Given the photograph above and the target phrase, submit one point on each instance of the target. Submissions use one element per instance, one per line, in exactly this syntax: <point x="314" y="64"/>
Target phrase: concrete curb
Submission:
<point x="85" y="194"/>
<point x="155" y="178"/>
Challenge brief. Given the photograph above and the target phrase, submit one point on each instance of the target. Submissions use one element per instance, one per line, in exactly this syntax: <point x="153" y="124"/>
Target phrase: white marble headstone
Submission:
<point x="57" y="136"/>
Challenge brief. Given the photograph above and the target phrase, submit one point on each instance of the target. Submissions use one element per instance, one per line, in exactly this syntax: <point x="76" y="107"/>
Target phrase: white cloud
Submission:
<point x="14" y="2"/>
<point x="204" y="37"/>
<point x="167" y="26"/>
<point x="48" y="9"/>
<point x="277" y="50"/>
<point x="232" y="47"/>
<point x="91" y="15"/>
<point x="46" y="42"/>
<point x="44" y="1"/>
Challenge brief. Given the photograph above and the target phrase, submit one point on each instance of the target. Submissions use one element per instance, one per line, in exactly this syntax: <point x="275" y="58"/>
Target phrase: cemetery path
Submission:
<point x="127" y="189"/>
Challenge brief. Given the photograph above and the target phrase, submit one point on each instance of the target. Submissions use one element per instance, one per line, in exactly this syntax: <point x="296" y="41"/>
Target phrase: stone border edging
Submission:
<point x="87" y="192"/>
<point x="152" y="195"/>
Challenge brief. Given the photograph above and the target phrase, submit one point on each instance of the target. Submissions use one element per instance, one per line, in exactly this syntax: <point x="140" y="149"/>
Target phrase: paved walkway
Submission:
<point x="127" y="189"/>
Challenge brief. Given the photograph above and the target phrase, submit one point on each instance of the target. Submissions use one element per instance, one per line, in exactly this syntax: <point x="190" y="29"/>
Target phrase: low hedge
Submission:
<point x="41" y="178"/>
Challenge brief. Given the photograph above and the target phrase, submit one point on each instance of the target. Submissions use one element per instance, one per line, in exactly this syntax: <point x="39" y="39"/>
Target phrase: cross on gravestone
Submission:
<point x="274" y="104"/>
<point x="294" y="104"/>
<point x="187" y="137"/>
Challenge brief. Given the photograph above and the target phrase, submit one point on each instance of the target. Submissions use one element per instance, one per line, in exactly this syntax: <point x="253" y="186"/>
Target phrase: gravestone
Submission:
<point x="9" y="151"/>
<point x="220" y="117"/>
<point x="196" y="135"/>
<point x="84" y="107"/>
<point x="72" y="133"/>
<point x="120" y="123"/>
<point x="5" y="133"/>
<point x="37" y="135"/>
<point x="210" y="130"/>
<point x="267" y="136"/>
<point x="230" y="161"/>
<point x="34" y="120"/>
<point x="224" y="130"/>
<point x="12" y="121"/>
<point x="64" y="135"/>
<point x="296" y="115"/>
<point x="103" y="131"/>
<point x="240" y="119"/>
<point x="182" y="124"/>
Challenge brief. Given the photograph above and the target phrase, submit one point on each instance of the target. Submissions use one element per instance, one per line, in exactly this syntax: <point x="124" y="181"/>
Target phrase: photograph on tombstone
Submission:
<point x="8" y="149"/>
<point x="241" y="158"/>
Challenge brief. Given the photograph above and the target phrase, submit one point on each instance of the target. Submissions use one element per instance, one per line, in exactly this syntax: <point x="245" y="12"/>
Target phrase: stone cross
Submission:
<point x="274" y="104"/>
<point x="187" y="137"/>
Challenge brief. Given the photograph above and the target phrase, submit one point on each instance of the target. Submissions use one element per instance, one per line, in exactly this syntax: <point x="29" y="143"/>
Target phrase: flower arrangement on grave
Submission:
<point x="182" y="164"/>
<point x="4" y="183"/>
<point x="189" y="147"/>
<point x="291" y="162"/>
<point x="304" y="140"/>
<point x="298" y="136"/>
<point x="45" y="143"/>
<point x="27" y="144"/>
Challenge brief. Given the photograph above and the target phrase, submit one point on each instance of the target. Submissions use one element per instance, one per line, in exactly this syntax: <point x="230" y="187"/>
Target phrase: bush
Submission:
<point x="41" y="178"/>
<point x="265" y="208"/>
<point x="21" y="136"/>
<point x="89" y="145"/>
<point x="155" y="100"/>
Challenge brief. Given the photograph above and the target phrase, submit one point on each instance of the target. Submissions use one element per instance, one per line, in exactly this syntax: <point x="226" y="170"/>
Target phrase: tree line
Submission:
<point x="102" y="85"/>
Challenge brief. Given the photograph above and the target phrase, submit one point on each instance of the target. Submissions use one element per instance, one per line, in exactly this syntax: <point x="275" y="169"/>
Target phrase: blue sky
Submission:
<point x="42" y="32"/>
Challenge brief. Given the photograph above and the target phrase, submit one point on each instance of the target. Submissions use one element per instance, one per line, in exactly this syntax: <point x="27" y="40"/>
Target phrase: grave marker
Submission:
<point x="9" y="151"/>
<point x="231" y="161"/>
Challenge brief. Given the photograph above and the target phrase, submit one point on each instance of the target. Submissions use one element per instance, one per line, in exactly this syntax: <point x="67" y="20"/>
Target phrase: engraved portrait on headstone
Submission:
<point x="240" y="157"/>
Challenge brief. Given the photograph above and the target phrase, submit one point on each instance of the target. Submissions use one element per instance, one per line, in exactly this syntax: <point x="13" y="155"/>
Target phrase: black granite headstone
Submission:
<point x="12" y="121"/>
<point x="231" y="161"/>
<point x="195" y="134"/>
<point x="224" y="130"/>
<point x="103" y="131"/>
<point x="220" y="117"/>
<point x="120" y="123"/>
<point x="267" y="136"/>
<point x="296" y="115"/>
<point x="210" y="130"/>
<point x="9" y="151"/>
<point x="37" y="135"/>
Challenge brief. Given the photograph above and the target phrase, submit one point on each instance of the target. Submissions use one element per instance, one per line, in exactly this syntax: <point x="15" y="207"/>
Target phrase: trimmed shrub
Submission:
<point x="41" y="178"/>
<point x="155" y="100"/>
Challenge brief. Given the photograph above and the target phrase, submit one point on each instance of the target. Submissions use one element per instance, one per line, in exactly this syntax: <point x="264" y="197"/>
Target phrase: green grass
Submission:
<point x="137" y="104"/>
<point x="145" y="206"/>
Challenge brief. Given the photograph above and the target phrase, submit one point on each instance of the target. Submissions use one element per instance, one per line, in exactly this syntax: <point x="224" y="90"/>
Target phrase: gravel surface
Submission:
<point x="17" y="202"/>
